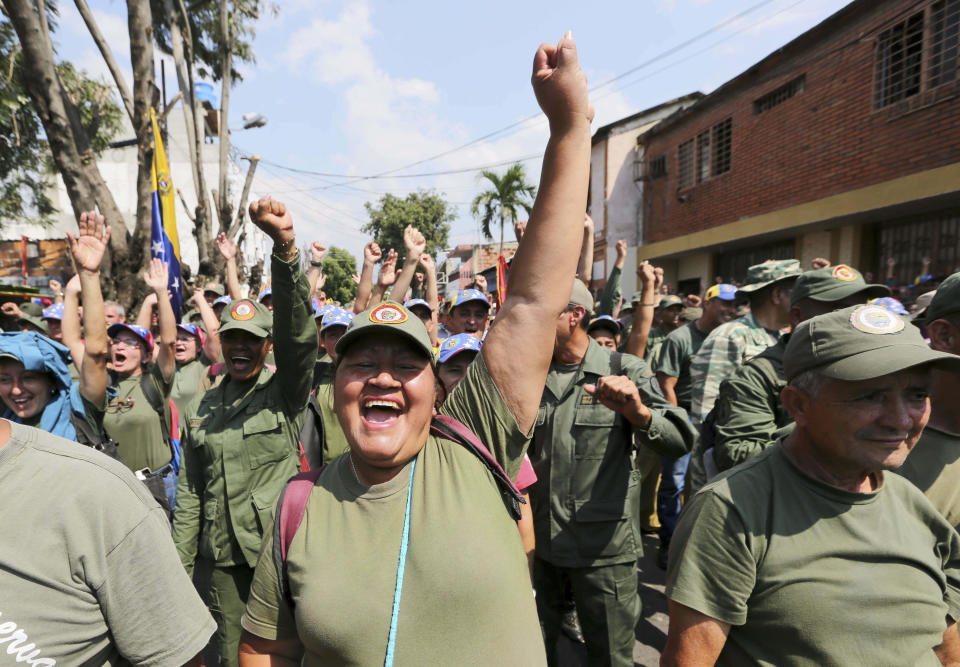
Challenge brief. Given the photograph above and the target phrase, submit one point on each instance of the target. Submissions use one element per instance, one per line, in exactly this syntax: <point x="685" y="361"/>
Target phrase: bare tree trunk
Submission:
<point x="226" y="213"/>
<point x="184" y="66"/>
<point x="66" y="137"/>
<point x="107" y="54"/>
<point x="140" y="28"/>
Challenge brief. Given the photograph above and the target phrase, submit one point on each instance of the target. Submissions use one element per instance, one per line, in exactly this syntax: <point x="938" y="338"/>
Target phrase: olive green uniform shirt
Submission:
<point x="934" y="467"/>
<point x="806" y="573"/>
<point x="748" y="408"/>
<point x="676" y="351"/>
<point x="136" y="427"/>
<point x="466" y="588"/>
<point x="190" y="380"/>
<point x="654" y="340"/>
<point x="88" y="572"/>
<point x="335" y="442"/>
<point x="236" y="456"/>
<point x="585" y="503"/>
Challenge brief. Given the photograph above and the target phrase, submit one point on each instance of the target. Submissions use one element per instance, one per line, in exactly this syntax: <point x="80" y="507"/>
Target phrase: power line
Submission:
<point x="506" y="128"/>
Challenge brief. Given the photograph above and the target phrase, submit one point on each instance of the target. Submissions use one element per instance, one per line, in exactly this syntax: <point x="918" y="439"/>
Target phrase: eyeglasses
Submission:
<point x="126" y="343"/>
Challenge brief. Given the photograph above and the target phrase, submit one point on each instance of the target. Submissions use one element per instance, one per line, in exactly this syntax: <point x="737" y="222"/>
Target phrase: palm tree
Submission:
<point x="508" y="194"/>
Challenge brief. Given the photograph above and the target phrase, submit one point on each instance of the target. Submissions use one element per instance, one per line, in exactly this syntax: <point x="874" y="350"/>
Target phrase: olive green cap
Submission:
<point x="946" y="301"/>
<point x="691" y="314"/>
<point x="247" y="315"/>
<point x="834" y="283"/>
<point x="859" y="343"/>
<point x="668" y="301"/>
<point x="769" y="272"/>
<point x="32" y="313"/>
<point x="216" y="288"/>
<point x="580" y="296"/>
<point x="392" y="318"/>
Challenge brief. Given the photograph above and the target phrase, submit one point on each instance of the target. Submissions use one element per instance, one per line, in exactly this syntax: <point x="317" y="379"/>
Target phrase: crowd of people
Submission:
<point x="287" y="480"/>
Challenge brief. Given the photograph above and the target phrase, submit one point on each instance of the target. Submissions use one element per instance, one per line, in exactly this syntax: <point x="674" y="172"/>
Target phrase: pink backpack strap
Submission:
<point x="443" y="426"/>
<point x="290" y="508"/>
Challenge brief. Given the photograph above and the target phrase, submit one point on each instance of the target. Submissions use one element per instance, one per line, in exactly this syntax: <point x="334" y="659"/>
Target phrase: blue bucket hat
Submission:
<point x="457" y="344"/>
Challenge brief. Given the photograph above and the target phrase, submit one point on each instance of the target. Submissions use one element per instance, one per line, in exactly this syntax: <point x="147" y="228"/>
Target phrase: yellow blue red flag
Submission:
<point x="164" y="242"/>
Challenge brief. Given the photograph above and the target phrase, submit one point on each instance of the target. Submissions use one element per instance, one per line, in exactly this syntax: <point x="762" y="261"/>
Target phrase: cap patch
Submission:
<point x="388" y="313"/>
<point x="844" y="273"/>
<point x="875" y="320"/>
<point x="243" y="311"/>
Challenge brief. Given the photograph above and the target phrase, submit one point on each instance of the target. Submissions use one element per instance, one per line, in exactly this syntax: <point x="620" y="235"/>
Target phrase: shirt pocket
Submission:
<point x="210" y="506"/>
<point x="592" y="426"/>
<point x="263" y="501"/>
<point x="263" y="438"/>
<point x="603" y="528"/>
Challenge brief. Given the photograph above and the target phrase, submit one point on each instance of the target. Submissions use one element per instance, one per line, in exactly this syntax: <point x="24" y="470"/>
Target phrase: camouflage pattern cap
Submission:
<point x="834" y="283"/>
<point x="247" y="315"/>
<point x="859" y="343"/>
<point x="769" y="272"/>
<point x="391" y="318"/>
<point x="946" y="301"/>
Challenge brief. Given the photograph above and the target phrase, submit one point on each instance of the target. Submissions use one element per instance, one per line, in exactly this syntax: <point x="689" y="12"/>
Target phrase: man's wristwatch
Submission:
<point x="316" y="264"/>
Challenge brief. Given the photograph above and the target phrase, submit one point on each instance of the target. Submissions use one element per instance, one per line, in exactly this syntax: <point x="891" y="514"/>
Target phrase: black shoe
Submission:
<point x="570" y="626"/>
<point x="662" y="553"/>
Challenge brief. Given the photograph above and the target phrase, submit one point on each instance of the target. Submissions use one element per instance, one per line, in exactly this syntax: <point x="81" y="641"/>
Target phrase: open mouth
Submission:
<point x="241" y="363"/>
<point x="379" y="412"/>
<point x="21" y="404"/>
<point x="119" y="357"/>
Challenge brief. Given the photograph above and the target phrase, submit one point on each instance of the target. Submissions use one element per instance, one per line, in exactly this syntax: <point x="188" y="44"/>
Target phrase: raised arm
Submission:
<point x="610" y="300"/>
<point x="145" y="314"/>
<point x="294" y="332"/>
<point x="156" y="279"/>
<point x="415" y="244"/>
<point x="57" y="289"/>
<point x="371" y="255"/>
<point x="229" y="251"/>
<point x="542" y="272"/>
<point x="72" y="335"/>
<point x="385" y="279"/>
<point x="585" y="266"/>
<point x="432" y="295"/>
<point x="317" y="251"/>
<point x="87" y="249"/>
<point x="211" y="349"/>
<point x="643" y="312"/>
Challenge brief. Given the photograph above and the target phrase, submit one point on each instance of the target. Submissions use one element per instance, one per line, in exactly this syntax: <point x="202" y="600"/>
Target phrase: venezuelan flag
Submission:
<point x="164" y="242"/>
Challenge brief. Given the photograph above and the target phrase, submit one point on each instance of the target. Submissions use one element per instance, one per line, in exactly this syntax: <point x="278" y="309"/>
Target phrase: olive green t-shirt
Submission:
<point x="190" y="380"/>
<point x="466" y="591"/>
<point x="88" y="572"/>
<point x="806" y="573"/>
<point x="136" y="425"/>
<point x="335" y="441"/>
<point x="934" y="467"/>
<point x="654" y="340"/>
<point x="676" y="351"/>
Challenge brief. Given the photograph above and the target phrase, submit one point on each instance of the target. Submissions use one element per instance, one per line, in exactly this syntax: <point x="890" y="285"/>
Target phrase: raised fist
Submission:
<point x="426" y="263"/>
<point x="414" y="242"/>
<point x="372" y="253"/>
<point x="559" y="84"/>
<point x="621" y="248"/>
<point x="317" y="251"/>
<point x="388" y="271"/>
<point x="273" y="219"/>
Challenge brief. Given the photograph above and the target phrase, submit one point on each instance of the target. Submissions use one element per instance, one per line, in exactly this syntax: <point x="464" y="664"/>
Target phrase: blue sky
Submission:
<point x="359" y="87"/>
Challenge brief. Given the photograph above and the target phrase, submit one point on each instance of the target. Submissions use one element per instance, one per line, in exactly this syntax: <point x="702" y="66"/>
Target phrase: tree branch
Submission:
<point x="107" y="54"/>
<point x="243" y="197"/>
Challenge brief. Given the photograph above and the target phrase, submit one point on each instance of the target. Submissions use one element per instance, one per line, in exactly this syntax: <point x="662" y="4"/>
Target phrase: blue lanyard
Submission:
<point x="404" y="542"/>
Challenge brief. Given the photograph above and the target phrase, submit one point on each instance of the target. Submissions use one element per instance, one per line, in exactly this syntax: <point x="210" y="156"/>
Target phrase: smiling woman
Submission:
<point x="406" y="511"/>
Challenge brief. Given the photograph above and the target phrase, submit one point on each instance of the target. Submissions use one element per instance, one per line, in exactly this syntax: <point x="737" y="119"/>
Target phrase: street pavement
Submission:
<point x="652" y="631"/>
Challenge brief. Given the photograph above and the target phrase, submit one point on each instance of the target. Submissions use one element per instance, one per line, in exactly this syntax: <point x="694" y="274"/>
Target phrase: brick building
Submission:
<point x="845" y="143"/>
<point x="474" y="259"/>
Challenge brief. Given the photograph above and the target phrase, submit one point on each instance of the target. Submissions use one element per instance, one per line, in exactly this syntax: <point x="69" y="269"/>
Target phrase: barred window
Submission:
<point x="685" y="162"/>
<point x="781" y="94"/>
<point x="658" y="167"/>
<point x="703" y="156"/>
<point x="944" y="27"/>
<point x="722" y="142"/>
<point x="899" y="61"/>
